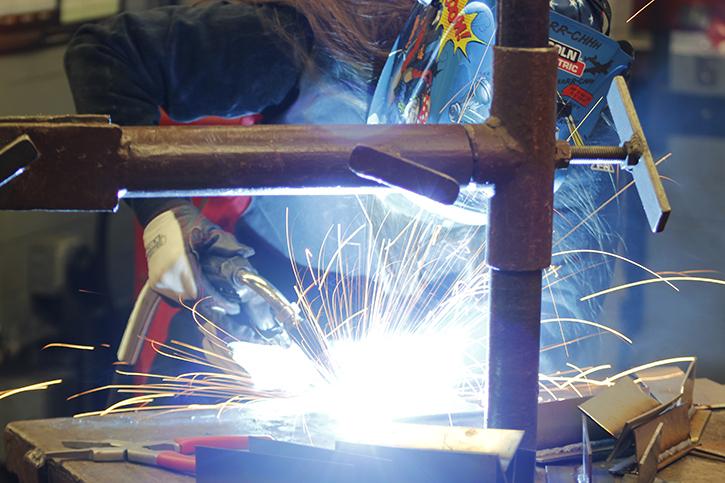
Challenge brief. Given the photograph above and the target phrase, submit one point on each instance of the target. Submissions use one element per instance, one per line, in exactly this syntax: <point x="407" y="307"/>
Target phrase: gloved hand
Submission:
<point x="175" y="241"/>
<point x="189" y="258"/>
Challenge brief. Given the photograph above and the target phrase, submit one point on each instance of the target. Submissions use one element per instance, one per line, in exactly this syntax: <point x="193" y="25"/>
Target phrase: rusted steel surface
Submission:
<point x="57" y="119"/>
<point x="74" y="170"/>
<point x="279" y="157"/>
<point x="522" y="23"/>
<point x="521" y="211"/>
<point x="86" y="162"/>
<point x="520" y="226"/>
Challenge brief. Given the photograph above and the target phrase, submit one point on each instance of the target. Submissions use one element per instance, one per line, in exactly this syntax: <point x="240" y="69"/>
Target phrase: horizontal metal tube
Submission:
<point x="191" y="160"/>
<point x="107" y="161"/>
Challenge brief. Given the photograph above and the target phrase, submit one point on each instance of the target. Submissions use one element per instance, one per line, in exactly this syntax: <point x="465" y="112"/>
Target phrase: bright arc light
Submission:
<point x="276" y="368"/>
<point x="388" y="377"/>
<point x="378" y="379"/>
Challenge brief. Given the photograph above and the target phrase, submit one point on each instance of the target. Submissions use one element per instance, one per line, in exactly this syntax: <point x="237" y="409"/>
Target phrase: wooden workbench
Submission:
<point x="27" y="441"/>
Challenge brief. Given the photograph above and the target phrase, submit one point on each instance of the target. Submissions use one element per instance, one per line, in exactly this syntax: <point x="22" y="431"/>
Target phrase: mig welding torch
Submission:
<point x="264" y="308"/>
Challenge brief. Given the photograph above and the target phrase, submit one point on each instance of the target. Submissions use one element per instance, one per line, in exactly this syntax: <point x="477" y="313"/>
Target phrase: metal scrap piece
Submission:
<point x="500" y="442"/>
<point x="664" y="383"/>
<point x="616" y="405"/>
<point x="648" y="462"/>
<point x="709" y="394"/>
<point x="676" y="429"/>
<point x="698" y="423"/>
<point x="585" y="472"/>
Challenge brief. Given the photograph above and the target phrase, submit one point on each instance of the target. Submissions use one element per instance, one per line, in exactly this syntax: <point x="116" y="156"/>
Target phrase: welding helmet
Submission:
<point x="440" y="71"/>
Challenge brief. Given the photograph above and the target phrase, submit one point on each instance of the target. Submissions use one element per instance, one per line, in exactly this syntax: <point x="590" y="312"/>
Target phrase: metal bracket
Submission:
<point x="646" y="178"/>
<point x="634" y="155"/>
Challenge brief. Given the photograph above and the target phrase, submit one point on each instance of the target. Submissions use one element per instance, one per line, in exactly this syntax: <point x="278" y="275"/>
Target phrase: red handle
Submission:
<point x="171" y="460"/>
<point x="189" y="445"/>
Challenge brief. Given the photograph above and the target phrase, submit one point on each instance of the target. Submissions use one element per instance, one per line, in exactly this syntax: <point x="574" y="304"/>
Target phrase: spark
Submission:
<point x="662" y="377"/>
<point x="618" y="257"/>
<point x="546" y="388"/>
<point x="625" y="286"/>
<point x="663" y="362"/>
<point x="640" y="10"/>
<point x="69" y="346"/>
<point x="583" y="373"/>
<point x="593" y="324"/>
<point x="40" y="386"/>
<point x="389" y="333"/>
<point x="576" y="129"/>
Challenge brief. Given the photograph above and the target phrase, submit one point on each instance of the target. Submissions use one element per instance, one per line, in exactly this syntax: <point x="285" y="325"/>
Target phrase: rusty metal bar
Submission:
<point x="85" y="164"/>
<point x="263" y="158"/>
<point x="520" y="227"/>
<point x="522" y="23"/>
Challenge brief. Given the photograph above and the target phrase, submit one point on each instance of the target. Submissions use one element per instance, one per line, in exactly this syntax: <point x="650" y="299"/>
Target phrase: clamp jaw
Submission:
<point x="634" y="155"/>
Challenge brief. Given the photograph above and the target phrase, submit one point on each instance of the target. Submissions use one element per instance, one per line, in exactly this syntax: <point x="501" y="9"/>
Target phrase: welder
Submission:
<point x="240" y="62"/>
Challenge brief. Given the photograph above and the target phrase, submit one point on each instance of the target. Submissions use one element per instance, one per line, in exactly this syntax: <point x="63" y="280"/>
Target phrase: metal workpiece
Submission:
<point x="86" y="163"/>
<point x="496" y="154"/>
<point x="634" y="155"/>
<point x="259" y="158"/>
<point x="74" y="169"/>
<point x="513" y="357"/>
<point x="519" y="236"/>
<point x="647" y="179"/>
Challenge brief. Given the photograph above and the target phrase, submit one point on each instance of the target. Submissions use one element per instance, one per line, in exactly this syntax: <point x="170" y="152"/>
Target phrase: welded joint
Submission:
<point x="496" y="154"/>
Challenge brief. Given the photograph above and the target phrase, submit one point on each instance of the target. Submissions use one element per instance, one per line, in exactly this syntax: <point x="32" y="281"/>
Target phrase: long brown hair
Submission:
<point x="358" y="32"/>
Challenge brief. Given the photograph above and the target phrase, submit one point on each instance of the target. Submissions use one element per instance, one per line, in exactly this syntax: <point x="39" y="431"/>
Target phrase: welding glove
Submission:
<point x="191" y="258"/>
<point x="175" y="241"/>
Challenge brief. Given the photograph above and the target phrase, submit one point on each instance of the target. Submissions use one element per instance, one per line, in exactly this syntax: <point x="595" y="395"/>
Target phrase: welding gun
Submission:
<point x="267" y="310"/>
<point x="265" y="316"/>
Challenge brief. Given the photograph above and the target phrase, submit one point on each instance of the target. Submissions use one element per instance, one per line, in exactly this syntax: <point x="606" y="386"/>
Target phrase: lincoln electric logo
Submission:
<point x="569" y="58"/>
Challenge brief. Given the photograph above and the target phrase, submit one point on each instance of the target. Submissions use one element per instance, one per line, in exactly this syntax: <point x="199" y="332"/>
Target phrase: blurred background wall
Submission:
<point x="67" y="277"/>
<point x="64" y="277"/>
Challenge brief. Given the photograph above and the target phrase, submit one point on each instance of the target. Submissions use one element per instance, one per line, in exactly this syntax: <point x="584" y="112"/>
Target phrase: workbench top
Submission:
<point x="27" y="442"/>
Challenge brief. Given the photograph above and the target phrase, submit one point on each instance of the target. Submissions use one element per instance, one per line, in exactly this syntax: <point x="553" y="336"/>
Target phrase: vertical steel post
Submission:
<point x="521" y="219"/>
